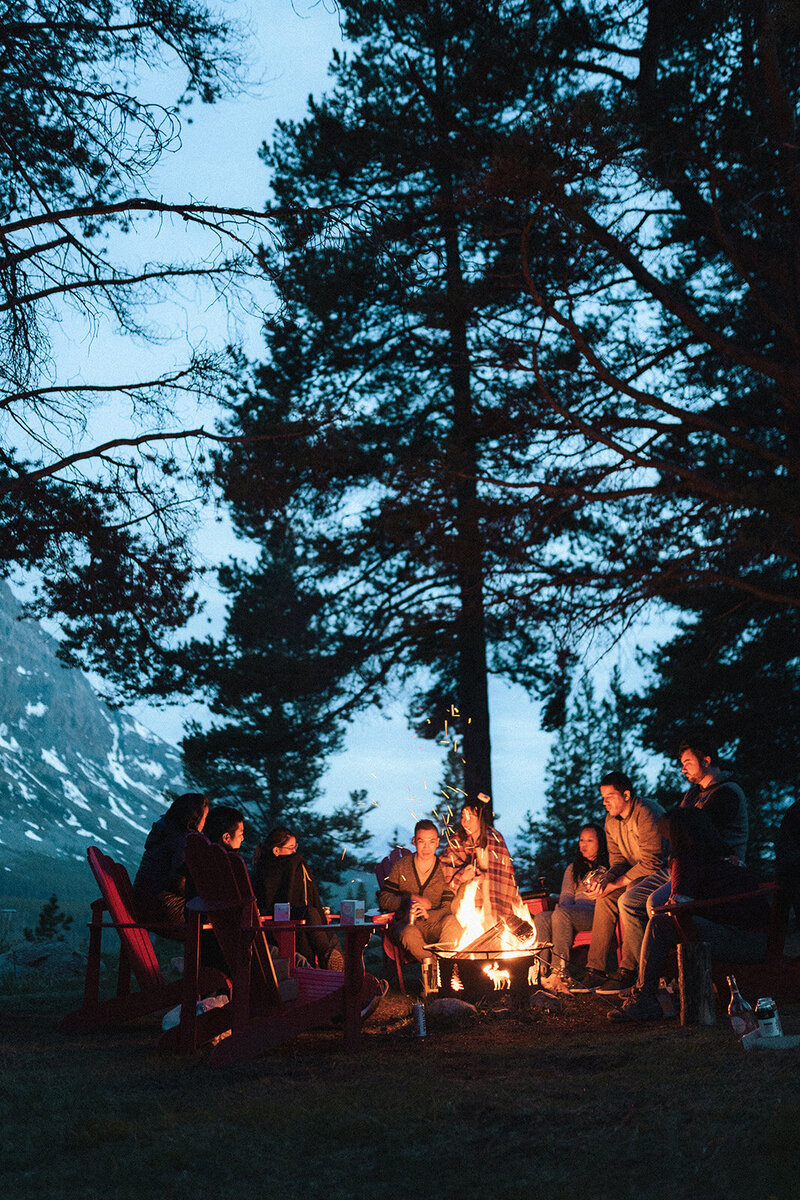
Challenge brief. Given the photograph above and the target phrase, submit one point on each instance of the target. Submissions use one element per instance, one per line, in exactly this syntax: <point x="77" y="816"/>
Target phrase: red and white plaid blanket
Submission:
<point x="503" y="891"/>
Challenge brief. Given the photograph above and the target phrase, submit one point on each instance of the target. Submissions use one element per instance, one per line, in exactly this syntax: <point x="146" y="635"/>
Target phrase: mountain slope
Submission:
<point x="73" y="773"/>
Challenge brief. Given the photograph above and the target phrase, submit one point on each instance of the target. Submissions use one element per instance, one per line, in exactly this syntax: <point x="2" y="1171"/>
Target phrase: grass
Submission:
<point x="562" y="1105"/>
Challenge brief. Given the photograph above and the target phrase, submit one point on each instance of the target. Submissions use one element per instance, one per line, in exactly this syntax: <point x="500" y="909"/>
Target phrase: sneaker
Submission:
<point x="335" y="961"/>
<point x="554" y="982"/>
<point x="620" y="981"/>
<point x="640" y="1007"/>
<point x="588" y="981"/>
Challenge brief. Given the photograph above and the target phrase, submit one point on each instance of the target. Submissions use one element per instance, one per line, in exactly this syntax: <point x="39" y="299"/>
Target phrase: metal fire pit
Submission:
<point x="464" y="975"/>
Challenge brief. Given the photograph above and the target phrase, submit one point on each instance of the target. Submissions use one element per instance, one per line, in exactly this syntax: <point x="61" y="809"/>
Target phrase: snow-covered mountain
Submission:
<point x="73" y="773"/>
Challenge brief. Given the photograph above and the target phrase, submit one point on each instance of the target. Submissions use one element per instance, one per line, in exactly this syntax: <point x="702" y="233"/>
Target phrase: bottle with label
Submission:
<point x="742" y="1017"/>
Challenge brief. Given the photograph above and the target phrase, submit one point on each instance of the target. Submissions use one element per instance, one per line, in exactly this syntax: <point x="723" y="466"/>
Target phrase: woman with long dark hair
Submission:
<point x="477" y="852"/>
<point x="575" y="909"/>
<point x="159" y="888"/>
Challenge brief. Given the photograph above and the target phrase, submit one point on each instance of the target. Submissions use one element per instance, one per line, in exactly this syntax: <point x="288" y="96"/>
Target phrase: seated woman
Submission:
<point x="159" y="888"/>
<point x="700" y="869"/>
<point x="477" y="852"/>
<point x="281" y="876"/>
<point x="575" y="909"/>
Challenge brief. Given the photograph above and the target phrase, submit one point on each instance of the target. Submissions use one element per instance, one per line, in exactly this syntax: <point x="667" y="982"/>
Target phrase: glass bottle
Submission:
<point x="742" y="1017"/>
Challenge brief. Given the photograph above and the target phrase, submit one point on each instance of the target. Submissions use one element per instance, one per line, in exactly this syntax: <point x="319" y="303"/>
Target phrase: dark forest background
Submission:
<point x="531" y="377"/>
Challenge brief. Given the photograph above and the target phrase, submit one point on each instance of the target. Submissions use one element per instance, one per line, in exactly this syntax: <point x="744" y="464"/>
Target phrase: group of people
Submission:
<point x="280" y="875"/>
<point x="643" y="859"/>
<point x="623" y="873"/>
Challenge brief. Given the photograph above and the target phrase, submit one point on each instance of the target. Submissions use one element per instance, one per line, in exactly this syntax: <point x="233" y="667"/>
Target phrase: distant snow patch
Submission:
<point x="36" y="710"/>
<point x="116" y="811"/>
<point x="52" y="760"/>
<point x="95" y="837"/>
<point x="74" y="794"/>
<point x="102" y="823"/>
<point x="22" y="671"/>
<point x="13" y="744"/>
<point x="33" y="836"/>
<point x="148" y="767"/>
<point x="71" y="819"/>
<point x="121" y="840"/>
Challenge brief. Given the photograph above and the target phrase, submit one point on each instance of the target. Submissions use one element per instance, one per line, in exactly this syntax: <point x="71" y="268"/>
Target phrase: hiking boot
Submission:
<point x="587" y="981"/>
<point x="620" y="981"/>
<point x="640" y="1007"/>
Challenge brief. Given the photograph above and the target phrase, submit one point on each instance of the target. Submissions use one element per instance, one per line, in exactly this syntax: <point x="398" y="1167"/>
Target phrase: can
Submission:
<point x="420" y="1028"/>
<point x="769" y="1023"/>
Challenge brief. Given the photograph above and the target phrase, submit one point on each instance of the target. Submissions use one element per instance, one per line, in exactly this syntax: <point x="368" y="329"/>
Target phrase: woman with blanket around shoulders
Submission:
<point x="476" y="851"/>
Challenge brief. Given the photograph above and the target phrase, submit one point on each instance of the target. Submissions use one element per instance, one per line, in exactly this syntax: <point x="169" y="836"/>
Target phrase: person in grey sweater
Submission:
<point x="637" y="866"/>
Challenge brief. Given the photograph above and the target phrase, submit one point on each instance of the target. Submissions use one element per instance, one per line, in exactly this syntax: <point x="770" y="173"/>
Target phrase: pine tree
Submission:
<point x="394" y="367"/>
<point x="53" y="924"/>
<point x="272" y="678"/>
<point x="596" y="737"/>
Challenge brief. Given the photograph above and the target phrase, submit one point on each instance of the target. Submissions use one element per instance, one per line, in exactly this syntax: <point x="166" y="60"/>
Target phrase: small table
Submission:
<point x="356" y="938"/>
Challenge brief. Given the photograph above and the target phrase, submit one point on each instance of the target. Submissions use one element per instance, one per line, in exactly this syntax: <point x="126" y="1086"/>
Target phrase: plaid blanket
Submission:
<point x="504" y="894"/>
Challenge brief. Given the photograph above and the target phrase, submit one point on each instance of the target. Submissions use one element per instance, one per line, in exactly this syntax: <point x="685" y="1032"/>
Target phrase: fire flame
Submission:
<point x="474" y="914"/>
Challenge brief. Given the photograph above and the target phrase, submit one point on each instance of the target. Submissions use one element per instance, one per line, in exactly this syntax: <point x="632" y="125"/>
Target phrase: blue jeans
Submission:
<point x="630" y="904"/>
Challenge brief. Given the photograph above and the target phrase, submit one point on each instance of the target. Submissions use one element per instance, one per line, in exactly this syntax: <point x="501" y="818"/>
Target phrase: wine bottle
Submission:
<point x="743" y="1019"/>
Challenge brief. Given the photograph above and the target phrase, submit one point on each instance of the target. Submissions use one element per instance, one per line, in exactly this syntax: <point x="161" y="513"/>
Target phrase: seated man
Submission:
<point x="416" y="891"/>
<point x="638" y="865"/>
<point x="701" y="869"/>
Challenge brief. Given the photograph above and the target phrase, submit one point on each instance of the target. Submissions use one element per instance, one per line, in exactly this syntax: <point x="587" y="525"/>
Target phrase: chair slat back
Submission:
<point x="220" y="878"/>
<point x="385" y="865"/>
<point x="117" y="892"/>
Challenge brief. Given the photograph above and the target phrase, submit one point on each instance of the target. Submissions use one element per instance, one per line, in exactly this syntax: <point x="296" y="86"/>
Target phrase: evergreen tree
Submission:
<point x="674" y="160"/>
<point x="386" y="361"/>
<point x="53" y="924"/>
<point x="272" y="678"/>
<point x="595" y="738"/>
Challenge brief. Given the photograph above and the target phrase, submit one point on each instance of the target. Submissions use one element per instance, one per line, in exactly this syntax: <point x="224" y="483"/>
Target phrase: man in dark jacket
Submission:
<point x="416" y="891"/>
<point x="715" y="792"/>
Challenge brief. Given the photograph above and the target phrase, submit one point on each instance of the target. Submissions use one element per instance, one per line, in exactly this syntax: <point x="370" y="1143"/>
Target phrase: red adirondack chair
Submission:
<point x="391" y="951"/>
<point x="137" y="957"/>
<point x="776" y="975"/>
<point x="258" y="1017"/>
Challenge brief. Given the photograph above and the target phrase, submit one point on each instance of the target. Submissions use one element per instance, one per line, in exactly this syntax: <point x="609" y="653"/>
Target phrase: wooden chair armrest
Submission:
<point x="690" y="906"/>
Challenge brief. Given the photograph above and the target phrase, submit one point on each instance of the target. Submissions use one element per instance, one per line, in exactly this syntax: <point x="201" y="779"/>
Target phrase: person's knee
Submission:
<point x="632" y="905"/>
<point x="411" y="940"/>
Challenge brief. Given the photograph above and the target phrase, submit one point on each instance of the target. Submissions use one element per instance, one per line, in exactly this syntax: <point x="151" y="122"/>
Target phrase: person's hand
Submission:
<point x="596" y="886"/>
<point x="467" y="873"/>
<point x="420" y="907"/>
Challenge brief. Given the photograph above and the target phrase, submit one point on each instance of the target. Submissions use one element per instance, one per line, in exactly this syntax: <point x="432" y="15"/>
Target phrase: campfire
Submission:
<point x="502" y="959"/>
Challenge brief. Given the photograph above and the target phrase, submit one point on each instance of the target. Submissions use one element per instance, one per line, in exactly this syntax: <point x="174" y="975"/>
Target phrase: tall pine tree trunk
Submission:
<point x="472" y="671"/>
